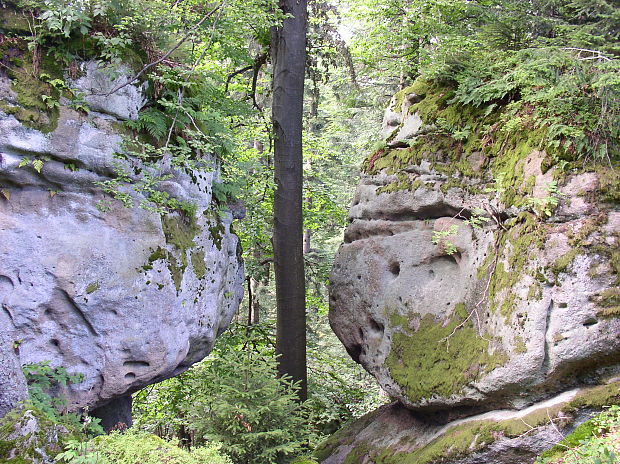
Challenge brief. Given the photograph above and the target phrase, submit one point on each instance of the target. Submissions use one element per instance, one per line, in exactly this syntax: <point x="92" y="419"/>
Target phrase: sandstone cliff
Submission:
<point x="125" y="296"/>
<point x="476" y="275"/>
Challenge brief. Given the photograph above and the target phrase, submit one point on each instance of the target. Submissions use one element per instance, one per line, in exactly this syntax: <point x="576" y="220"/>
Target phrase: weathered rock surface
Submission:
<point x="28" y="436"/>
<point x="470" y="281"/>
<point x="12" y="381"/>
<point x="394" y="434"/>
<point x="445" y="314"/>
<point x="122" y="295"/>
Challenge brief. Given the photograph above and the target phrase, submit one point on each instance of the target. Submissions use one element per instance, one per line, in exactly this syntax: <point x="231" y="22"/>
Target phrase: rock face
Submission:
<point x="12" y="382"/>
<point x="473" y="281"/>
<point x="396" y="435"/>
<point x="122" y="295"/>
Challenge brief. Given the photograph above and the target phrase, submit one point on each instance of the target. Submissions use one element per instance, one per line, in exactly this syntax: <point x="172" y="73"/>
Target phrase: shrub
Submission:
<point x="144" y="448"/>
<point x="240" y="402"/>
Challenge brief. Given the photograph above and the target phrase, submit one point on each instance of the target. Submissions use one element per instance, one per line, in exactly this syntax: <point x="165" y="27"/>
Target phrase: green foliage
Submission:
<point x="544" y="207"/>
<point x="339" y="391"/>
<point x="42" y="380"/>
<point x="234" y="397"/>
<point x="529" y="66"/>
<point x="36" y="163"/>
<point x="594" y="442"/>
<point x="477" y="218"/>
<point x="142" y="448"/>
<point x="187" y="122"/>
<point x="442" y="237"/>
<point x="404" y="37"/>
<point x="46" y="392"/>
<point x="252" y="412"/>
<point x="79" y="452"/>
<point x="577" y="101"/>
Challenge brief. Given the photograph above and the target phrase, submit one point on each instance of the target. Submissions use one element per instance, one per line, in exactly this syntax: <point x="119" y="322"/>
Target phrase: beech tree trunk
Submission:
<point x="289" y="61"/>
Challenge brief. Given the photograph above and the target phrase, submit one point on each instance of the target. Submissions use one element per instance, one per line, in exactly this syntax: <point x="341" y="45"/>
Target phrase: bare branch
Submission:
<point x="596" y="55"/>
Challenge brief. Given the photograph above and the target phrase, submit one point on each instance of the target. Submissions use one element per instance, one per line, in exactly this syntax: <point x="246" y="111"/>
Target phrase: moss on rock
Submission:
<point x="439" y="358"/>
<point x="466" y="438"/>
<point x="198" y="263"/>
<point x="514" y="246"/>
<point x="28" y="436"/>
<point x="180" y="233"/>
<point x="30" y="75"/>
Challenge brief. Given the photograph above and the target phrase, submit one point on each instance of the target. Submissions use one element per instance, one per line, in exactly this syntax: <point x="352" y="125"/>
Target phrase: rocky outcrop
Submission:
<point x="125" y="296"/>
<point x="476" y="279"/>
<point x="394" y="434"/>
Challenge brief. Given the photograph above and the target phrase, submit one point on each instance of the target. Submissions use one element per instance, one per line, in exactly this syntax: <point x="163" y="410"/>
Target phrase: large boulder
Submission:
<point x="470" y="280"/>
<point x="125" y="296"/>
<point x="394" y="434"/>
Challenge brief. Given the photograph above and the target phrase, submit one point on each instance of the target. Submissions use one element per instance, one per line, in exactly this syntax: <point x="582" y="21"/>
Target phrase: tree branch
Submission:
<point x="258" y="64"/>
<point x="167" y="54"/>
<point x="236" y="73"/>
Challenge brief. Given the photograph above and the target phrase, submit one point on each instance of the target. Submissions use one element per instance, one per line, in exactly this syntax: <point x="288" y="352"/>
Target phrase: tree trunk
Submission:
<point x="289" y="60"/>
<point x="307" y="238"/>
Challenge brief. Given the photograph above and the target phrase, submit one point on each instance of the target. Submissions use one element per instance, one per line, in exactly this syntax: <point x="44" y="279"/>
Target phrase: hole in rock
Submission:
<point x="354" y="351"/>
<point x="130" y="376"/>
<point x="136" y="364"/>
<point x="55" y="342"/>
<point x="562" y="305"/>
<point x="376" y="326"/>
<point x="395" y="268"/>
<point x="590" y="321"/>
<point x="442" y="262"/>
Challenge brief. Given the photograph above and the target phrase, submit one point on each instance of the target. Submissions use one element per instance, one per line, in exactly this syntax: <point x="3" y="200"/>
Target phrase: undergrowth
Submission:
<point x="596" y="441"/>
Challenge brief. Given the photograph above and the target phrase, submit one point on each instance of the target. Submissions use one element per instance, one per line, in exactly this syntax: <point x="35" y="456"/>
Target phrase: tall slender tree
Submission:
<point x="289" y="62"/>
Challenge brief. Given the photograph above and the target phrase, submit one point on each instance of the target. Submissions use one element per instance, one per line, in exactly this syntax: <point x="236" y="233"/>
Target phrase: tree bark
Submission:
<point x="289" y="60"/>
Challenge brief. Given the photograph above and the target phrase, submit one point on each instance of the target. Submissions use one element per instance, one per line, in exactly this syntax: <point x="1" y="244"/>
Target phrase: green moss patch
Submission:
<point x="30" y="76"/>
<point x="198" y="263"/>
<point x="452" y="132"/>
<point x="435" y="361"/>
<point x="20" y="446"/>
<point x="404" y="182"/>
<point x="180" y="232"/>
<point x="515" y="247"/>
<point x="476" y="435"/>
<point x="92" y="287"/>
<point x="609" y="179"/>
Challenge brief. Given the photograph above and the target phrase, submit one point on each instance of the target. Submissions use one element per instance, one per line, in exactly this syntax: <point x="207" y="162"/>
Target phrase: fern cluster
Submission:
<point x="576" y="100"/>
